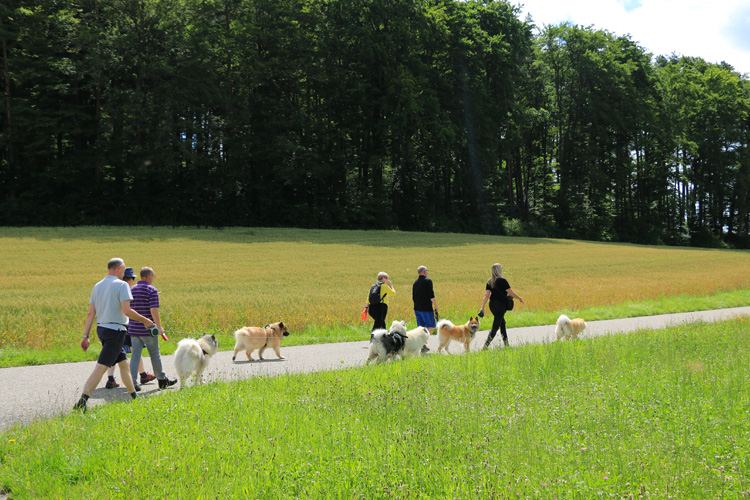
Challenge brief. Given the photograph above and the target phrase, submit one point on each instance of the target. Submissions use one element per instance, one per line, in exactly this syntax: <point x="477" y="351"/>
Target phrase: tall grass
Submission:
<point x="655" y="414"/>
<point x="317" y="281"/>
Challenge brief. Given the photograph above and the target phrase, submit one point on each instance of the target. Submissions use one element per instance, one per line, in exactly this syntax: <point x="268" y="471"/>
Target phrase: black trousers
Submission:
<point x="497" y="307"/>
<point x="378" y="312"/>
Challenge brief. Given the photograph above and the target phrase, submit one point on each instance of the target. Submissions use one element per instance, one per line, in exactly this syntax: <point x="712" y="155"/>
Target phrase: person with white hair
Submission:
<point x="377" y="301"/>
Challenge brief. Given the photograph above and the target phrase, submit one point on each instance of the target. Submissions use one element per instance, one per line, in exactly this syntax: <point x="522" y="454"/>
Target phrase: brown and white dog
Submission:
<point x="568" y="329"/>
<point x="250" y="338"/>
<point x="447" y="332"/>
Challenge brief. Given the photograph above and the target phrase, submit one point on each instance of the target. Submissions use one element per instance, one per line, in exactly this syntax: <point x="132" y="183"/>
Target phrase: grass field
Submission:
<point x="653" y="414"/>
<point x="213" y="281"/>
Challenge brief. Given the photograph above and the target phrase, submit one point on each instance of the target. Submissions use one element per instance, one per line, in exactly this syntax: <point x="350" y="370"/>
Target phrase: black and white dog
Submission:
<point x="385" y="344"/>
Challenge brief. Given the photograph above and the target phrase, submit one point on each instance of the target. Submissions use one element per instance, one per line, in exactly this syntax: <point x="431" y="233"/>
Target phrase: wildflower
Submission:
<point x="605" y="478"/>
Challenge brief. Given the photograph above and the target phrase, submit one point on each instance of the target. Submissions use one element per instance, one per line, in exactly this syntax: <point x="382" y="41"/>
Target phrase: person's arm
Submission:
<point x="157" y="318"/>
<point x="130" y="313"/>
<point x="434" y="304"/>
<point x="87" y="327"/>
<point x="390" y="286"/>
<point x="514" y="294"/>
<point x="484" y="301"/>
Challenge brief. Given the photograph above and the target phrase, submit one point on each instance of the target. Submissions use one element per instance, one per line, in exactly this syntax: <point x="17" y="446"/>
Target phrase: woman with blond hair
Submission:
<point x="497" y="291"/>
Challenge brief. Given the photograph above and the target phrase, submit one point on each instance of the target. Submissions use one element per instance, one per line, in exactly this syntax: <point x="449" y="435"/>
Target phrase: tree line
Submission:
<point x="429" y="115"/>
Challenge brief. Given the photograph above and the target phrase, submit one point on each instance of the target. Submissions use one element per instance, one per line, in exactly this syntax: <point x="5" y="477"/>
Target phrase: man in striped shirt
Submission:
<point x="146" y="302"/>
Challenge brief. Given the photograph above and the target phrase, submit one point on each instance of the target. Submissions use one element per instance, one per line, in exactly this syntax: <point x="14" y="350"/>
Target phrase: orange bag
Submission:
<point x="364" y="314"/>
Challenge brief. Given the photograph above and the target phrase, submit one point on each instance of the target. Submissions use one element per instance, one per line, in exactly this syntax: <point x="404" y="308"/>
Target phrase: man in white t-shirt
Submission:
<point x="110" y="304"/>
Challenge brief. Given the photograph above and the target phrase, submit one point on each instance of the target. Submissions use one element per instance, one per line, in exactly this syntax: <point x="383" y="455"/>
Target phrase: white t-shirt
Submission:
<point x="107" y="296"/>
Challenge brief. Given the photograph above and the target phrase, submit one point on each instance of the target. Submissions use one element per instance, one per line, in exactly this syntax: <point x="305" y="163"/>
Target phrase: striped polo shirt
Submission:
<point x="145" y="297"/>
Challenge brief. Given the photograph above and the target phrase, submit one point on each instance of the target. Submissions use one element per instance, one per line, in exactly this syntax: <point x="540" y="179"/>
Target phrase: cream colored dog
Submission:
<point x="568" y="329"/>
<point x="192" y="356"/>
<point x="415" y="340"/>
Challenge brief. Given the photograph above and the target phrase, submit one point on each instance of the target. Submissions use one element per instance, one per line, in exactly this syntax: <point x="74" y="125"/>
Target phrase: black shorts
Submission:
<point x="112" y="342"/>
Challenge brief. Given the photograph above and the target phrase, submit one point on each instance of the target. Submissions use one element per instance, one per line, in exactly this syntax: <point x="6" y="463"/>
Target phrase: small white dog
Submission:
<point x="415" y="340"/>
<point x="568" y="329"/>
<point x="192" y="356"/>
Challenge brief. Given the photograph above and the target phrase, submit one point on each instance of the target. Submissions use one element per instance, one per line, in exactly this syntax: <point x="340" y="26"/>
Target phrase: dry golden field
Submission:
<point x="218" y="280"/>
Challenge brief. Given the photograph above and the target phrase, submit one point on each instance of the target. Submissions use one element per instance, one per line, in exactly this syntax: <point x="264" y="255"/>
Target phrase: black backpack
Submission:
<point x="375" y="294"/>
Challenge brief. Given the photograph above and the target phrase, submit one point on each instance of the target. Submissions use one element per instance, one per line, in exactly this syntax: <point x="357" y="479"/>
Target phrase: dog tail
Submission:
<point x="444" y="323"/>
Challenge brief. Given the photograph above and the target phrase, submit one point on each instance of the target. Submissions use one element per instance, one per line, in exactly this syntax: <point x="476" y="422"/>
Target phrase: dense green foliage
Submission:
<point x="653" y="414"/>
<point x="427" y="115"/>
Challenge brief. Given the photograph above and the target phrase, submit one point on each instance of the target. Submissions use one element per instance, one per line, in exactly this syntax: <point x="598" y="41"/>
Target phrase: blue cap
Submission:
<point x="129" y="273"/>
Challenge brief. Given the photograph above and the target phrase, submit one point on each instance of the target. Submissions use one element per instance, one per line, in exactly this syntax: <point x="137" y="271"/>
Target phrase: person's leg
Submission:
<point x="378" y="312"/>
<point x="503" y="331"/>
<point x="126" y="375"/>
<point x="152" y="344"/>
<point x="498" y="321"/>
<point x="94" y="379"/>
<point x="384" y="308"/>
<point x="135" y="357"/>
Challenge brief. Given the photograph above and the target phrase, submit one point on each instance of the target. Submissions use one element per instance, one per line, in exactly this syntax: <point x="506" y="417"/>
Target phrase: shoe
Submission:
<point x="80" y="405"/>
<point x="111" y="384"/>
<point x="163" y="384"/>
<point x="137" y="388"/>
<point x="148" y="378"/>
<point x="425" y="348"/>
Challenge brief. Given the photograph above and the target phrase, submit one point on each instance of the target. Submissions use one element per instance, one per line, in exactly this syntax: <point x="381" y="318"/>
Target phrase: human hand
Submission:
<point x="480" y="314"/>
<point x="85" y="344"/>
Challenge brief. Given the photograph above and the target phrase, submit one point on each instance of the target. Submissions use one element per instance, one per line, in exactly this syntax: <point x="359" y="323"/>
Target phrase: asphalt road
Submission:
<point x="31" y="393"/>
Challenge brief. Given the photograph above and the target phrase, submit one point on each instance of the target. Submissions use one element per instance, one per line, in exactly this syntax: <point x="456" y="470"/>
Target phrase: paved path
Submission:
<point x="34" y="392"/>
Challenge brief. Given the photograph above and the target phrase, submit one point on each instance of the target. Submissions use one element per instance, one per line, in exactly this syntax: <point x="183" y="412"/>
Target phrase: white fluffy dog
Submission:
<point x="415" y="340"/>
<point x="192" y="356"/>
<point x="568" y="329"/>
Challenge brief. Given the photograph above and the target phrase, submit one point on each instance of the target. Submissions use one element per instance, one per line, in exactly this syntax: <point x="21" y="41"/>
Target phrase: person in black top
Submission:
<point x="496" y="291"/>
<point x="378" y="309"/>
<point x="423" y="296"/>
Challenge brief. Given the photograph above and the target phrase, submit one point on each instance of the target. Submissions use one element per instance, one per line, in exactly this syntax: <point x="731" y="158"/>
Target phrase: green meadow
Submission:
<point x="653" y="414"/>
<point x="316" y="281"/>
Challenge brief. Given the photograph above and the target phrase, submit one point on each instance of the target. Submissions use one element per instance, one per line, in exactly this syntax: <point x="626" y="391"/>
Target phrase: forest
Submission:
<point x="418" y="115"/>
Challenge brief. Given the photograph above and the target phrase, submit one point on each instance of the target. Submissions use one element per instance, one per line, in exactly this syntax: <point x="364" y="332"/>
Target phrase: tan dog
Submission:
<point x="250" y="338"/>
<point x="567" y="328"/>
<point x="447" y="332"/>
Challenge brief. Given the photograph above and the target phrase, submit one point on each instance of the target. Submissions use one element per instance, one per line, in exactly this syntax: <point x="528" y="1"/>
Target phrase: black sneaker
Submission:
<point x="111" y="384"/>
<point x="80" y="405"/>
<point x="163" y="384"/>
<point x="137" y="388"/>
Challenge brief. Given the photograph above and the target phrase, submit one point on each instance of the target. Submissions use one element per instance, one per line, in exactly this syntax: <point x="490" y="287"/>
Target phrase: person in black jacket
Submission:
<point x="423" y="295"/>
<point x="496" y="291"/>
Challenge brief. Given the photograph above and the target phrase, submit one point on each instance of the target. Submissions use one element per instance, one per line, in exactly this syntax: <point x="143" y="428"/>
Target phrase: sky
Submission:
<point x="715" y="30"/>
